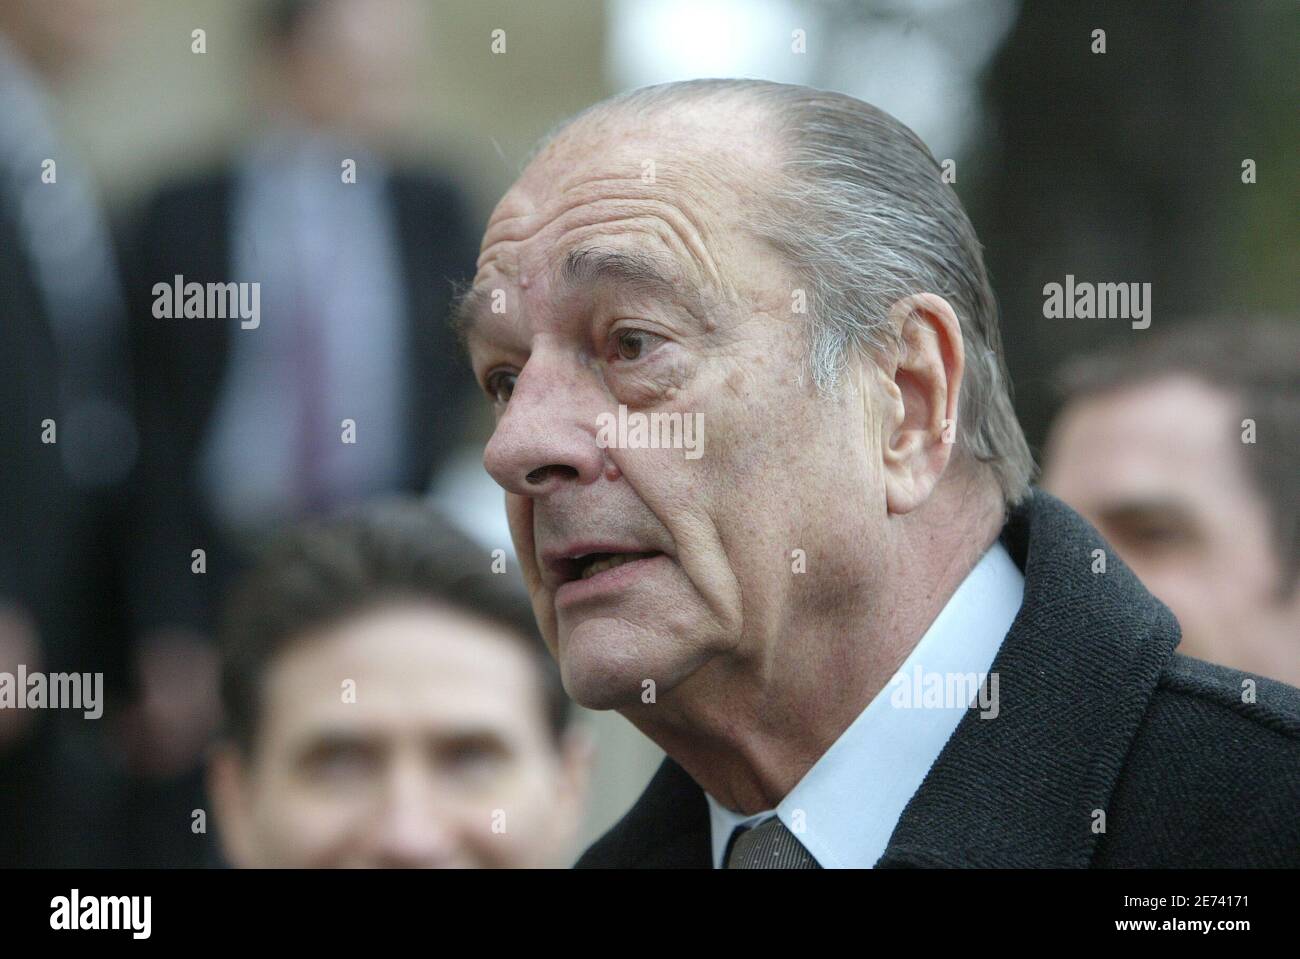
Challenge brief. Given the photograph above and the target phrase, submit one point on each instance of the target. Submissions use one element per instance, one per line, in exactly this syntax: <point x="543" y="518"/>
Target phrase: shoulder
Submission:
<point x="1233" y="698"/>
<point x="1213" y="775"/>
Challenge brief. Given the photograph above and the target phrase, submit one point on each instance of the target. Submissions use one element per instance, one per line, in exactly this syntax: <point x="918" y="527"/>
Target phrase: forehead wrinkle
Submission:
<point x="476" y="325"/>
<point x="662" y="270"/>
<point x="687" y="230"/>
<point x="469" y="302"/>
<point x="675" y="226"/>
<point x="673" y="273"/>
<point x="642" y="272"/>
<point x="669" y="261"/>
<point x="510" y="229"/>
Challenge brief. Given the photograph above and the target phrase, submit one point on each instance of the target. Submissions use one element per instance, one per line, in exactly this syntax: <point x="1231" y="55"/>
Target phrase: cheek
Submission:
<point x="527" y="800"/>
<point x="519" y="514"/>
<point x="307" y="828"/>
<point x="662" y="380"/>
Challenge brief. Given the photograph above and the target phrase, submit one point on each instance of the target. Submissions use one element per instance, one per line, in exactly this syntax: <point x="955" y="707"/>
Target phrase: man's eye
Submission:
<point x="634" y="344"/>
<point x="1155" y="537"/>
<point x="500" y="385"/>
<point x="341" y="762"/>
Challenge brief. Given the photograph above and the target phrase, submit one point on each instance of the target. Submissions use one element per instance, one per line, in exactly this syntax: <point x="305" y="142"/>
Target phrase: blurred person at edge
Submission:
<point x="1181" y="449"/>
<point x="389" y="704"/>
<point x="241" y="427"/>
<point x="67" y="437"/>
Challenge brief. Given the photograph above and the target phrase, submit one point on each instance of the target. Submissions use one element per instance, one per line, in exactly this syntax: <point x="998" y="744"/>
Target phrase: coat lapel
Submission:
<point x="1076" y="673"/>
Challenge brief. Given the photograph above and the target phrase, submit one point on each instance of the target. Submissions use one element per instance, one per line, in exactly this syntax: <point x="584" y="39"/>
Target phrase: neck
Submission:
<point x="748" y="728"/>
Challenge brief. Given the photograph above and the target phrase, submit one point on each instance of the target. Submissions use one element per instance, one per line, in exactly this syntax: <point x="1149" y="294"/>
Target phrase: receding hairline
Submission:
<point x="469" y="301"/>
<point x="648" y="104"/>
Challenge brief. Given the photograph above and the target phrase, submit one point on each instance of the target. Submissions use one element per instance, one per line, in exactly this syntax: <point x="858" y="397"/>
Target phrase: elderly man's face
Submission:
<point x="623" y="278"/>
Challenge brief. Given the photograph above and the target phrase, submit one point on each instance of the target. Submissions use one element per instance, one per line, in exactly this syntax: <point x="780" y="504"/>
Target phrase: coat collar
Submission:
<point x="1075" y="672"/>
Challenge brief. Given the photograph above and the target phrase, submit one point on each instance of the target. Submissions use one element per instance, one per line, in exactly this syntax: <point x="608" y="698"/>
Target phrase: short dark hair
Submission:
<point x="326" y="570"/>
<point x="1257" y="362"/>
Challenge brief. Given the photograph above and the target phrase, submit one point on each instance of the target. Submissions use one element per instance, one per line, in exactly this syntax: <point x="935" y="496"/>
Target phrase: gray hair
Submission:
<point x="861" y="212"/>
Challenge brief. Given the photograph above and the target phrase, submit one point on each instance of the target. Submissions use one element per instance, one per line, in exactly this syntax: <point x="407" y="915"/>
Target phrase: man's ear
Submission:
<point x="228" y="788"/>
<point x="923" y="377"/>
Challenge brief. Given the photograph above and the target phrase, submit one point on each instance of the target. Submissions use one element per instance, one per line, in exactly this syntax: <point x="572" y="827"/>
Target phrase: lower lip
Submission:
<point x="607" y="581"/>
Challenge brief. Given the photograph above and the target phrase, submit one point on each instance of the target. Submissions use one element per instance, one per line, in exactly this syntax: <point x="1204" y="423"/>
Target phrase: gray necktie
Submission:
<point x="769" y="846"/>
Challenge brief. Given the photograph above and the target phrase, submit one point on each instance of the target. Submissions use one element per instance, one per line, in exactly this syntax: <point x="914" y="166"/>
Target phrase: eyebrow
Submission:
<point x="467" y="301"/>
<point x="643" y="272"/>
<point x="1146" y="509"/>
<point x="320" y="741"/>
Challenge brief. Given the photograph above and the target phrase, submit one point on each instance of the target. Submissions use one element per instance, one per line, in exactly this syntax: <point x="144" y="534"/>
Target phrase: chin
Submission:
<point x="605" y="662"/>
<point x="597" y="681"/>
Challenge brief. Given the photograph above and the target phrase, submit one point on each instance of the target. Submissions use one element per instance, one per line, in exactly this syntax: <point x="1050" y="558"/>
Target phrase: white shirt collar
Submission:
<point x="846" y="806"/>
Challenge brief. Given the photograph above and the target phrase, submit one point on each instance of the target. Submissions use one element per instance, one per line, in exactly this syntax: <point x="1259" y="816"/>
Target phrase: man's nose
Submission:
<point x="546" y="438"/>
<point x="412" y="831"/>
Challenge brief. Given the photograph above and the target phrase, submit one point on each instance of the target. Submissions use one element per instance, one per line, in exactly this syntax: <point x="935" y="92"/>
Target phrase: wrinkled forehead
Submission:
<point x="691" y="167"/>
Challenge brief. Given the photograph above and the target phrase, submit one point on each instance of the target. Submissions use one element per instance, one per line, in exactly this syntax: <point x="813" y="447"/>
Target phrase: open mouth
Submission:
<point x="593" y="564"/>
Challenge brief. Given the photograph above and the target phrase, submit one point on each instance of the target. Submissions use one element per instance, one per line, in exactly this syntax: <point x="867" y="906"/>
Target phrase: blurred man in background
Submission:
<point x="244" y="423"/>
<point x="389" y="703"/>
<point x="345" y="385"/>
<point x="68" y="440"/>
<point x="1182" y="451"/>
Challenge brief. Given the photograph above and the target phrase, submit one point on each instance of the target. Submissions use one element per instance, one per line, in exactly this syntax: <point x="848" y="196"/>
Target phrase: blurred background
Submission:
<point x="187" y="153"/>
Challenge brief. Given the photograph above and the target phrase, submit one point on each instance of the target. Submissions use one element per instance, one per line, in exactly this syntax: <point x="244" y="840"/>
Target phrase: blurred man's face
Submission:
<point x="353" y="66"/>
<point x="442" y="758"/>
<point x="673" y="309"/>
<point x="61" y="35"/>
<point x="1159" y="470"/>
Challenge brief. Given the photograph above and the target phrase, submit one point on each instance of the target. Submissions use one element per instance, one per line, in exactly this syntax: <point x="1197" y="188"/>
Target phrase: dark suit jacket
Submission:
<point x="60" y="562"/>
<point x="59" y="541"/>
<point x="1097" y="712"/>
<point x="186" y="229"/>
